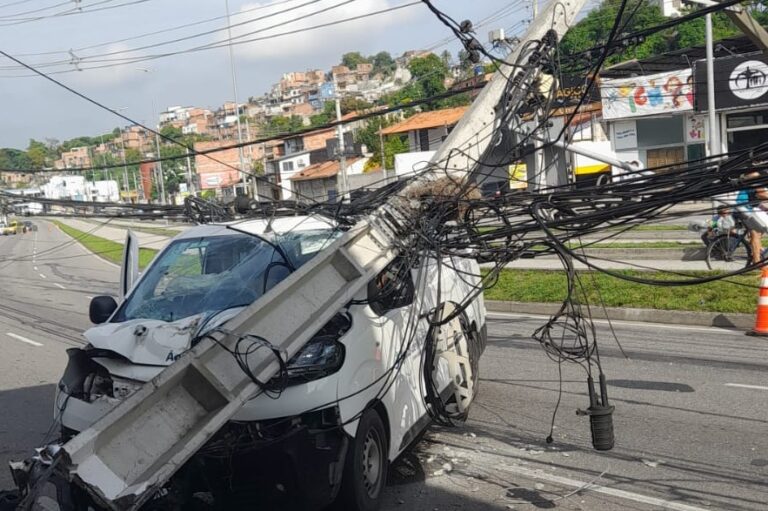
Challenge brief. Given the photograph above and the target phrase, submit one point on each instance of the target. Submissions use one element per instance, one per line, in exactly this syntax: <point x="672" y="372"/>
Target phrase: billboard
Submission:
<point x="740" y="82"/>
<point x="661" y="93"/>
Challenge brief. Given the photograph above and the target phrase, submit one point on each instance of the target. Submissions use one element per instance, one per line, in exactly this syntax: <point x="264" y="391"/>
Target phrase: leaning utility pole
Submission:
<point x="133" y="450"/>
<point x="344" y="184"/>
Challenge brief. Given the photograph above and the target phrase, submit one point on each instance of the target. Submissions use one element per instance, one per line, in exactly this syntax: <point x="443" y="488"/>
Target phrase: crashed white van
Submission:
<point x="358" y="394"/>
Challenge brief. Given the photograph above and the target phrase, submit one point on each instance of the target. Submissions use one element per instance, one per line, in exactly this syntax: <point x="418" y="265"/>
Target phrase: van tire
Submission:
<point x="366" y="466"/>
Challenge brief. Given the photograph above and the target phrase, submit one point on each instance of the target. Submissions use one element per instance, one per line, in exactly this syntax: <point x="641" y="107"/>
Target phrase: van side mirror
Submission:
<point x="101" y="309"/>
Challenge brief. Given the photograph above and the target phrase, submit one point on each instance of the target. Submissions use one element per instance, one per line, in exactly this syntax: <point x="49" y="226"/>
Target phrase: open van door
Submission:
<point x="129" y="272"/>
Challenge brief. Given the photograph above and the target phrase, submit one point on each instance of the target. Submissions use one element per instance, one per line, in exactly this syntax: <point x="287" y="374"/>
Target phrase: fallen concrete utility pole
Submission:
<point x="135" y="448"/>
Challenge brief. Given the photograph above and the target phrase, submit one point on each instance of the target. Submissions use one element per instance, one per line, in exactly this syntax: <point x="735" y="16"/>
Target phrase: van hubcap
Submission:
<point x="371" y="464"/>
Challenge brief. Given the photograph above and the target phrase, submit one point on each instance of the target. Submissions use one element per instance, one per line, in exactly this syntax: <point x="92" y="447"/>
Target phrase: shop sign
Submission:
<point x="625" y="135"/>
<point x="662" y="93"/>
<point x="739" y="82"/>
<point x="695" y="129"/>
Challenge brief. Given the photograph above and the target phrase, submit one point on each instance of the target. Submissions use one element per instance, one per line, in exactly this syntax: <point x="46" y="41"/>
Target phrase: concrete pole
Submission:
<point x="243" y="174"/>
<point x="714" y="144"/>
<point x="189" y="174"/>
<point x="125" y="165"/>
<point x="159" y="165"/>
<point x="342" y="156"/>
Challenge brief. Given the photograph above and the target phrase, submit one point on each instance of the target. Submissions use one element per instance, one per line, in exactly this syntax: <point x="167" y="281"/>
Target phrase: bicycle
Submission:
<point x="732" y="250"/>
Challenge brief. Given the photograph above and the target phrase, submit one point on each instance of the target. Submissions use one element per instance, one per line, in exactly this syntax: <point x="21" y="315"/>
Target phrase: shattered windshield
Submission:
<point x="215" y="273"/>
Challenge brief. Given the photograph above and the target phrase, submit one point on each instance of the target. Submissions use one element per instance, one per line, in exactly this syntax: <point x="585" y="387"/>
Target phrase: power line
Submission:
<point x="108" y="63"/>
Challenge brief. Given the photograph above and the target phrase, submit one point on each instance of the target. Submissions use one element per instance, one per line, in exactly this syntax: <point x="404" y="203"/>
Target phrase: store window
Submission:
<point x="746" y="129"/>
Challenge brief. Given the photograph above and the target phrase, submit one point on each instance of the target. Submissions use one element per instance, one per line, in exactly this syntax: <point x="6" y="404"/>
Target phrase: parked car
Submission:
<point x="353" y="398"/>
<point x="28" y="226"/>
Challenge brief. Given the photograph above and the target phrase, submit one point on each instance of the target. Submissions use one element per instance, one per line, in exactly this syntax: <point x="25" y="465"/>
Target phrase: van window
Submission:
<point x="392" y="288"/>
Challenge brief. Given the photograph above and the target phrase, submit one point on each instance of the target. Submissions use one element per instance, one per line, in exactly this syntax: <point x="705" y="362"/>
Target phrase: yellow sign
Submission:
<point x="592" y="169"/>
<point x="518" y="176"/>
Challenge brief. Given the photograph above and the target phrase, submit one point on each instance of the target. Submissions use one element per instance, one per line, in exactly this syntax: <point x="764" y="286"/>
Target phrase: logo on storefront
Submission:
<point x="749" y="80"/>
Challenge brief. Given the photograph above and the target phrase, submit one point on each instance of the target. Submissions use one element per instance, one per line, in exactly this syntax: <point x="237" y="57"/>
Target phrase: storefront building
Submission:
<point x="741" y="99"/>
<point x="651" y="119"/>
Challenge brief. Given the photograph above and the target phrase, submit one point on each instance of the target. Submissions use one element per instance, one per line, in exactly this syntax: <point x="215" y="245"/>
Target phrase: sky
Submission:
<point x="108" y="50"/>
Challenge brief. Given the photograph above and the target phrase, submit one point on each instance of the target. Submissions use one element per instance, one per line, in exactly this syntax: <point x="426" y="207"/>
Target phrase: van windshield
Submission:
<point x="216" y="273"/>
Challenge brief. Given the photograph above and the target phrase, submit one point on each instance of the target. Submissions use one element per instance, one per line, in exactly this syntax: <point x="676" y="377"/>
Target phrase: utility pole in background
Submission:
<point x="159" y="165"/>
<point x="713" y="133"/>
<point x="342" y="156"/>
<point x="243" y="175"/>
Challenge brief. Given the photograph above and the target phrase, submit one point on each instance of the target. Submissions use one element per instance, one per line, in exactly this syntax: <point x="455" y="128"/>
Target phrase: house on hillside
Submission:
<point x="425" y="133"/>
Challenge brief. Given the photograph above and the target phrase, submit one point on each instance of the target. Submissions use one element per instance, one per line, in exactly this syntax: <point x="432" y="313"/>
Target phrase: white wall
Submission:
<point x="408" y="163"/>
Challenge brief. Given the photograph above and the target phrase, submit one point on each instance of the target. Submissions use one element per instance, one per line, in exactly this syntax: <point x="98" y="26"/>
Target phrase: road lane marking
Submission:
<point x="42" y="276"/>
<point x="590" y="487"/>
<point x="35" y="268"/>
<point x="745" y="386"/>
<point x="23" y="339"/>
<point x="630" y="323"/>
<point x="59" y="285"/>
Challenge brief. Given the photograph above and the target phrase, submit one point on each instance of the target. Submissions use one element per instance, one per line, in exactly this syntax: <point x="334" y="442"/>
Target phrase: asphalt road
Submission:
<point x="691" y="414"/>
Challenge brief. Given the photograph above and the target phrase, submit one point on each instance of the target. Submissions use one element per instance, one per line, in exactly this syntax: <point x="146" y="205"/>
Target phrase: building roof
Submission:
<point x="678" y="59"/>
<point x="320" y="170"/>
<point x="425" y="120"/>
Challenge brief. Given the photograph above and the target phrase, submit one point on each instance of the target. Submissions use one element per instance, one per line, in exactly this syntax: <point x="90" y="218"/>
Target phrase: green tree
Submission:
<point x="383" y="63"/>
<point x="14" y="159"/>
<point x="171" y="132"/>
<point x="37" y="153"/>
<point x="595" y="28"/>
<point x="352" y="59"/>
<point x="428" y="74"/>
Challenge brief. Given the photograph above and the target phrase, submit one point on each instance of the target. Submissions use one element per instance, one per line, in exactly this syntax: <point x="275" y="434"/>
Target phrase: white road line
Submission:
<point x="35" y="268"/>
<point x="22" y="339"/>
<point x="89" y="297"/>
<point x="42" y="276"/>
<point x="59" y="285"/>
<point x="645" y="499"/>
<point x="632" y="323"/>
<point x="745" y="386"/>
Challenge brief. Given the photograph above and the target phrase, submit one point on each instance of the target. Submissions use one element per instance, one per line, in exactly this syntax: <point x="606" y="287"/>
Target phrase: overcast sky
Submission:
<point x="35" y="108"/>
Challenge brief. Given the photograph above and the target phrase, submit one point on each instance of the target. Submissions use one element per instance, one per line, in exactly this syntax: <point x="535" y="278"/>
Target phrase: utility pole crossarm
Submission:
<point x="137" y="446"/>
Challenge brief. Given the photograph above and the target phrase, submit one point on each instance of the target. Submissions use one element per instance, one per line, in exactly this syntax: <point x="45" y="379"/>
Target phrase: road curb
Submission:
<point x="725" y="320"/>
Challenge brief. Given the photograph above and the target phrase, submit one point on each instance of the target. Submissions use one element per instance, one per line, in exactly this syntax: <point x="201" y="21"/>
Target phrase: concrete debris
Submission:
<point x="652" y="464"/>
<point x="447" y="467"/>
<point x="539" y="486"/>
<point x="438" y="472"/>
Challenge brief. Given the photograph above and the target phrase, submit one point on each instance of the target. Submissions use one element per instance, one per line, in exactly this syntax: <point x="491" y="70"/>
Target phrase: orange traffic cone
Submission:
<point x="761" y="319"/>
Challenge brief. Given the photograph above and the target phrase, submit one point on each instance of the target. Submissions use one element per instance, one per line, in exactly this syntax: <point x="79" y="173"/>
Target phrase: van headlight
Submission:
<point x="320" y="357"/>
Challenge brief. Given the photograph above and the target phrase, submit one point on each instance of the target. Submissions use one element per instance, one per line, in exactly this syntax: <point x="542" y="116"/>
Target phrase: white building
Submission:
<point x="65" y="188"/>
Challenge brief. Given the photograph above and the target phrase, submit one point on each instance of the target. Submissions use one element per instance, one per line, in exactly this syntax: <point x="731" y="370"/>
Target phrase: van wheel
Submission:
<point x="365" y="469"/>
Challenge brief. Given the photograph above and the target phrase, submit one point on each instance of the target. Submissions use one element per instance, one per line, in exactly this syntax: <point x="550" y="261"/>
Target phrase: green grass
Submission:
<point x="157" y="231"/>
<point x="550" y="286"/>
<point x="642" y="245"/>
<point x="657" y="227"/>
<point x="107" y="249"/>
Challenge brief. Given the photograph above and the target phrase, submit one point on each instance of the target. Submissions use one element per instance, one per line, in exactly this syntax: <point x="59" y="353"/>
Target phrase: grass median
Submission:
<point x="102" y="247"/>
<point x="737" y="294"/>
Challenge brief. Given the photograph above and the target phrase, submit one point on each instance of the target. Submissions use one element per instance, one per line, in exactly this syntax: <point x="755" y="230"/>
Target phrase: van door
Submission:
<point x="129" y="271"/>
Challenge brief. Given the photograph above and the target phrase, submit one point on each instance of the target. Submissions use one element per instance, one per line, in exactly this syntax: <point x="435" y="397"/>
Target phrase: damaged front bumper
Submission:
<point x="294" y="461"/>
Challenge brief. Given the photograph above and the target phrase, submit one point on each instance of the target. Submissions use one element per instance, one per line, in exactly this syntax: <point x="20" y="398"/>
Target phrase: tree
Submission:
<point x="383" y="63"/>
<point x="14" y="159"/>
<point x="37" y="153"/>
<point x="446" y="58"/>
<point x="171" y="132"/>
<point x="429" y="74"/>
<point x="595" y="28"/>
<point x="352" y="59"/>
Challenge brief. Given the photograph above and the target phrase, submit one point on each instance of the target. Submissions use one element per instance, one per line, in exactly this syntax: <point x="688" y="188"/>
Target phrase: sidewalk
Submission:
<point x="116" y="233"/>
<point x="553" y="263"/>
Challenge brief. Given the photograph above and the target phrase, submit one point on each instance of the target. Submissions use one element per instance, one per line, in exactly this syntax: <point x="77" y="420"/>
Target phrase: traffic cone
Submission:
<point x="761" y="319"/>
